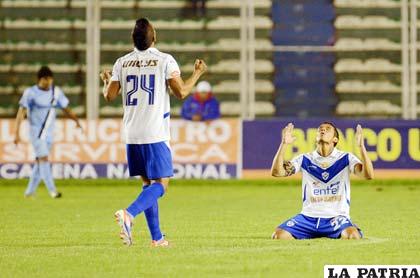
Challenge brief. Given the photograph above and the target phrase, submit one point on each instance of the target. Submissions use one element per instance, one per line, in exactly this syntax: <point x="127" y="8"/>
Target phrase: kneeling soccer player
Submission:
<point x="325" y="185"/>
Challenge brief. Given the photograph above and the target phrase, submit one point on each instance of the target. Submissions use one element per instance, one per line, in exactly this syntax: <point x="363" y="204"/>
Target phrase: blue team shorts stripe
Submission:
<point x="166" y="114"/>
<point x="41" y="147"/>
<point x="153" y="161"/>
<point x="305" y="227"/>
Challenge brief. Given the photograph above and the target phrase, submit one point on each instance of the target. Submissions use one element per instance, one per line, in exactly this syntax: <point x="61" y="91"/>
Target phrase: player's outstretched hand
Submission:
<point x="287" y="137"/>
<point x="105" y="76"/>
<point x="200" y="66"/>
<point x="359" y="136"/>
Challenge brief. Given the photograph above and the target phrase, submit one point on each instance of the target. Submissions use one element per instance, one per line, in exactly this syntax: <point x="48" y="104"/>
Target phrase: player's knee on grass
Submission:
<point x="350" y="233"/>
<point x="281" y="234"/>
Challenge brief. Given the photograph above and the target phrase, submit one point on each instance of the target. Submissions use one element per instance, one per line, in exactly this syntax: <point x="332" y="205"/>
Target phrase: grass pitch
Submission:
<point x="216" y="228"/>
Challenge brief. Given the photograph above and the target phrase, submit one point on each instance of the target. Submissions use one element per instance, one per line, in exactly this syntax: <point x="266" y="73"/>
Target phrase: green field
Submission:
<point x="216" y="228"/>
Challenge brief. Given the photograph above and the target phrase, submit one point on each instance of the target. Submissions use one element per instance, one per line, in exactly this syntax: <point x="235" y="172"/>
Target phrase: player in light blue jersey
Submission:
<point x="143" y="76"/>
<point x="39" y="103"/>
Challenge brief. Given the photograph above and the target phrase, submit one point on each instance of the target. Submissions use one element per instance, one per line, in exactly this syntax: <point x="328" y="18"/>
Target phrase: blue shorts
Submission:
<point x="152" y="161"/>
<point x="305" y="227"/>
<point x="41" y="147"/>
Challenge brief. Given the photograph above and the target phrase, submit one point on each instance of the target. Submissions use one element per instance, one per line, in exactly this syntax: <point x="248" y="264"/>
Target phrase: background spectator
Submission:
<point x="202" y="105"/>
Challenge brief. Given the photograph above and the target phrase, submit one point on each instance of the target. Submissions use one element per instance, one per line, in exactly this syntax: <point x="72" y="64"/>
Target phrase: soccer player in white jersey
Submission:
<point x="143" y="76"/>
<point x="325" y="185"/>
<point x="39" y="103"/>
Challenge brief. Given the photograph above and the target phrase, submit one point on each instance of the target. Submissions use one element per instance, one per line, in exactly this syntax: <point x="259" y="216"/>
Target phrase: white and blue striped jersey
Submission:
<point x="326" y="182"/>
<point x="143" y="79"/>
<point x="41" y="112"/>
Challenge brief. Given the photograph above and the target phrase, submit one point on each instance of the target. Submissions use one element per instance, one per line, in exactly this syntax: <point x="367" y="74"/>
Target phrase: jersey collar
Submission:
<point x="42" y="90"/>
<point x="334" y="153"/>
<point x="149" y="49"/>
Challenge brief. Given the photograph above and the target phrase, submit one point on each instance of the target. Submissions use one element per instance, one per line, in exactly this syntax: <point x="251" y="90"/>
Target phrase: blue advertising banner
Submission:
<point x="391" y="144"/>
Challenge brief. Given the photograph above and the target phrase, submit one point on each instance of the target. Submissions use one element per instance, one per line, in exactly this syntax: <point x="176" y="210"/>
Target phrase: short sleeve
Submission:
<point x="25" y="100"/>
<point x="172" y="69"/>
<point x="62" y="101"/>
<point x="297" y="162"/>
<point x="353" y="160"/>
<point x="116" y="71"/>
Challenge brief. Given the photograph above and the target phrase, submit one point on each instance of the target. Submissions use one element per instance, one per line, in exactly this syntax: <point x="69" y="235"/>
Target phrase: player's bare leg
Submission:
<point x="350" y="233"/>
<point x="281" y="234"/>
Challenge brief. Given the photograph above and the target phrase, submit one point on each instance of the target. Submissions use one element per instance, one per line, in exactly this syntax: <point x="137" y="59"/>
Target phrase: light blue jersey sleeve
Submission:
<point x="26" y="99"/>
<point x="62" y="100"/>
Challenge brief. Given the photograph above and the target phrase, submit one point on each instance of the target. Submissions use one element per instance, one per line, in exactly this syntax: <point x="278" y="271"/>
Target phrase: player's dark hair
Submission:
<point x="44" y="71"/>
<point x="336" y="134"/>
<point x="143" y="34"/>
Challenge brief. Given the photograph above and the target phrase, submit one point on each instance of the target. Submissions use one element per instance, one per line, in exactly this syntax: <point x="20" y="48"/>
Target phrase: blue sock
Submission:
<point x="34" y="180"/>
<point x="146" y="199"/>
<point x="46" y="175"/>
<point x="152" y="218"/>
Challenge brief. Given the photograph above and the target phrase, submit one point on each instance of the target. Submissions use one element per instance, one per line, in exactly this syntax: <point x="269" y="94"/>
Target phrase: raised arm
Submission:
<point x="281" y="168"/>
<point x="20" y="116"/>
<point x="180" y="88"/>
<point x="110" y="89"/>
<point x="364" y="170"/>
